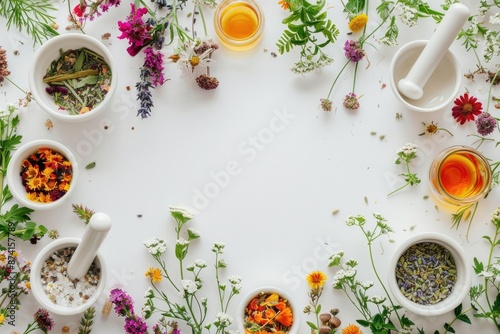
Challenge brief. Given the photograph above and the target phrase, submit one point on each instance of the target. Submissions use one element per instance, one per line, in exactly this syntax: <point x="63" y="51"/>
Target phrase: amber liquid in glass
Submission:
<point x="239" y="21"/>
<point x="462" y="175"/>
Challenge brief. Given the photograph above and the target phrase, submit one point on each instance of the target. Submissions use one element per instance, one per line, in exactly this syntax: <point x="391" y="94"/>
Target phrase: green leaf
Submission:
<point x="363" y="323"/>
<point x="458" y="310"/>
<point x="464" y="318"/>
<point x="79" y="61"/>
<point x="313" y="326"/>
<point x="478" y="266"/>
<point x="448" y="328"/>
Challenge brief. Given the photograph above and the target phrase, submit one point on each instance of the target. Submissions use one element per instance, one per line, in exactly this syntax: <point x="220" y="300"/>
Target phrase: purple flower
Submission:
<point x="135" y="30"/>
<point x="351" y="101"/>
<point x="485" y="124"/>
<point x="43" y="319"/>
<point x="124" y="305"/>
<point x="135" y="325"/>
<point x="154" y="62"/>
<point x="353" y="51"/>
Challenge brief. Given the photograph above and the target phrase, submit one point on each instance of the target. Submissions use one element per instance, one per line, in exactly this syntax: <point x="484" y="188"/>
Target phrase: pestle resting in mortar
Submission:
<point x="447" y="31"/>
<point x="86" y="251"/>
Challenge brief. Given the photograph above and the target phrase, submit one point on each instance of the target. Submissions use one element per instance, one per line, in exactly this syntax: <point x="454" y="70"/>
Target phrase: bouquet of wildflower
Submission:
<point x="193" y="309"/>
<point x="14" y="282"/>
<point x="192" y="53"/>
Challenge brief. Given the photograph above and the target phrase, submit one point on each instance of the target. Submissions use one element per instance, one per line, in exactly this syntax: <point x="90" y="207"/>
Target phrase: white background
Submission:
<point x="275" y="212"/>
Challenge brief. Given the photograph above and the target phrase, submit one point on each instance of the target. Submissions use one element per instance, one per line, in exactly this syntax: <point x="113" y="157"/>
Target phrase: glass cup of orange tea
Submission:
<point x="239" y="23"/>
<point x="460" y="175"/>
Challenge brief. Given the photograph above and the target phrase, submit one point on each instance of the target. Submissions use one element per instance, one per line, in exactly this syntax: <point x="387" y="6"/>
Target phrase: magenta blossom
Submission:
<point x="124" y="305"/>
<point x="485" y="124"/>
<point x="154" y="62"/>
<point x="135" y="30"/>
<point x="353" y="51"/>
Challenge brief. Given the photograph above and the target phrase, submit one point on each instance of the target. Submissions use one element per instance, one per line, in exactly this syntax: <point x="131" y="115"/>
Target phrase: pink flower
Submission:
<point x="135" y="30"/>
<point x="79" y="10"/>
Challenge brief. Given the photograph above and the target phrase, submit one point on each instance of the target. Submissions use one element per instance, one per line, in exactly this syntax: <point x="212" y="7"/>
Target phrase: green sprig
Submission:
<point x="33" y="16"/>
<point x="87" y="321"/>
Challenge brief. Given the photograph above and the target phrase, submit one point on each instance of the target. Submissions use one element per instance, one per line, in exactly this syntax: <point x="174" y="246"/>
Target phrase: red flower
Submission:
<point x="79" y="9"/>
<point x="466" y="108"/>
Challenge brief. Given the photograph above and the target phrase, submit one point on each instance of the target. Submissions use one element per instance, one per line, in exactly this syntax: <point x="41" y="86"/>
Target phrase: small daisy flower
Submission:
<point x="466" y="108"/>
<point x="358" y="23"/>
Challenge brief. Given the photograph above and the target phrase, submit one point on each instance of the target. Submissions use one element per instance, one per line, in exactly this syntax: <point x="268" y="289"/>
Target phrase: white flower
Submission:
<point x="408" y="149"/>
<point x="376" y="299"/>
<point x="339" y="275"/>
<point x="156" y="246"/>
<point x="184" y="212"/>
<point x="200" y="263"/>
<point x="182" y="242"/>
<point x="234" y="279"/>
<point x="189" y="286"/>
<point x="218" y="247"/>
<point x="483" y="7"/>
<point x="387" y="40"/>
<point x="486" y="274"/>
<point x="408" y="15"/>
<point x="193" y="234"/>
<point x="366" y="284"/>
<point x="350" y="273"/>
<point x="495" y="19"/>
<point x="308" y="65"/>
<point x="223" y="319"/>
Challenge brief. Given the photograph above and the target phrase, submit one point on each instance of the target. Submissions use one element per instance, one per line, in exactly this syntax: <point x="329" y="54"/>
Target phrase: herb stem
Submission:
<point x="370" y="249"/>
<point x="68" y="76"/>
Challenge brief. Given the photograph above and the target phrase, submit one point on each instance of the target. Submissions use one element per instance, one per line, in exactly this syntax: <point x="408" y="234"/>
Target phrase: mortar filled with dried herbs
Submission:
<point x="73" y="77"/>
<point x="429" y="274"/>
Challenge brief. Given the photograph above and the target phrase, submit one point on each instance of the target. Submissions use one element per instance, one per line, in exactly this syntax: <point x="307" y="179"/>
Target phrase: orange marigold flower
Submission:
<point x="154" y="275"/>
<point x="351" y="329"/>
<point x="285" y="317"/>
<point x="316" y="279"/>
<point x="358" y="23"/>
<point x="284" y="4"/>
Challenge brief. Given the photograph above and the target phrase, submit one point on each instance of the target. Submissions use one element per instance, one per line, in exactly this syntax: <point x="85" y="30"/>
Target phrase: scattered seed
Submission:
<point x="90" y="165"/>
<point x="366" y="200"/>
<point x="426" y="196"/>
<point x="382" y="137"/>
<point x="48" y="123"/>
<point x="334" y="212"/>
<point x="373" y="133"/>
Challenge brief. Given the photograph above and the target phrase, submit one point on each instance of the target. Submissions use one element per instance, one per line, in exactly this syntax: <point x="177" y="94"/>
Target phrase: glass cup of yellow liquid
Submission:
<point x="239" y="23"/>
<point x="460" y="176"/>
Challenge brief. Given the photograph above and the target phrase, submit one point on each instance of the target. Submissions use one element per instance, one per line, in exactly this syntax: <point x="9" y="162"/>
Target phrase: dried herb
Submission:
<point x="426" y="273"/>
<point x="78" y="80"/>
<point x="46" y="174"/>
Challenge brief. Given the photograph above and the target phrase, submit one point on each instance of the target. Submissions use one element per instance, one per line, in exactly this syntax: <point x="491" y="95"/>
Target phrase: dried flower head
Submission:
<point x="485" y="124"/>
<point x="431" y="129"/>
<point x="351" y="101"/>
<point x="358" y="23"/>
<point x="326" y="104"/>
<point x="353" y="51"/>
<point x="43" y="319"/>
<point x="4" y="72"/>
<point x="207" y="82"/>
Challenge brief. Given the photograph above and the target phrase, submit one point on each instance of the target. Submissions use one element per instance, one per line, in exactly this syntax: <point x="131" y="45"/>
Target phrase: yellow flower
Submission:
<point x="351" y="329"/>
<point x="154" y="274"/>
<point x="2" y="318"/>
<point x="316" y="279"/>
<point x="284" y="4"/>
<point x="358" y="23"/>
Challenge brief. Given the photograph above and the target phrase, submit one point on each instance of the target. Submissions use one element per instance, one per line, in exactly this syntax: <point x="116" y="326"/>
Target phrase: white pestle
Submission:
<point x="86" y="251"/>
<point x="413" y="85"/>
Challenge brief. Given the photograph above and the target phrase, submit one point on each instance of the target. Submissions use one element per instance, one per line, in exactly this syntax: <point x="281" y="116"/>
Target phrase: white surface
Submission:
<point x="262" y="162"/>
